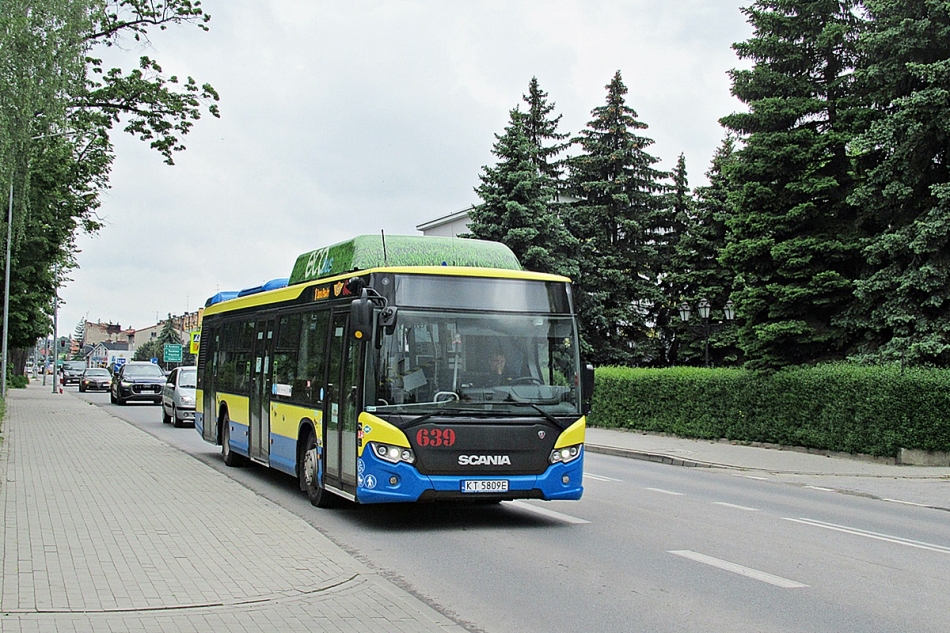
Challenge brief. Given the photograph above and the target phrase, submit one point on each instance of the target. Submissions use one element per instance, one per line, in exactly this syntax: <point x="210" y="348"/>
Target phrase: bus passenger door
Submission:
<point x="342" y="379"/>
<point x="259" y="440"/>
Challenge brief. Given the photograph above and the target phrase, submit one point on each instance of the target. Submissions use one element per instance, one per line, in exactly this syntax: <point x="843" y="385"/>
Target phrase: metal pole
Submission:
<point x="6" y="296"/>
<point x="55" y="311"/>
<point x="706" y="339"/>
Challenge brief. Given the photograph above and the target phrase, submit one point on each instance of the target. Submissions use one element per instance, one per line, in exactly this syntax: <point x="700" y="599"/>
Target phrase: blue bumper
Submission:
<point x="380" y="481"/>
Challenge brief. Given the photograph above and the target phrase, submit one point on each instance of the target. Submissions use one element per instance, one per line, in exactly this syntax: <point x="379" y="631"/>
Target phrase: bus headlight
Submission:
<point x="566" y="454"/>
<point x="392" y="454"/>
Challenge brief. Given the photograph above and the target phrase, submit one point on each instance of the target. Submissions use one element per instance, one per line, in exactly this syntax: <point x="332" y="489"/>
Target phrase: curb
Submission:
<point x="658" y="458"/>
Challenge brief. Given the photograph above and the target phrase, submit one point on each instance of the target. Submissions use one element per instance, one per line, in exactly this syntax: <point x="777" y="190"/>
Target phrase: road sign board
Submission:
<point x="172" y="353"/>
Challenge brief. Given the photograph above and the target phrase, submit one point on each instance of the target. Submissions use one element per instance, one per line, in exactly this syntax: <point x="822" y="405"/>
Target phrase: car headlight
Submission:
<point x="392" y="454"/>
<point x="188" y="400"/>
<point x="566" y="454"/>
<point x="125" y="383"/>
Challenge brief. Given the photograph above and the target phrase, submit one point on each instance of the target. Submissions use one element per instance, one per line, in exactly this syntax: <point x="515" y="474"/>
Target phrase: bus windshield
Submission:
<point x="475" y="363"/>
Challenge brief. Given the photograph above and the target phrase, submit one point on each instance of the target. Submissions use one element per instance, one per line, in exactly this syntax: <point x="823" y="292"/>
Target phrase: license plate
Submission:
<point x="485" y="485"/>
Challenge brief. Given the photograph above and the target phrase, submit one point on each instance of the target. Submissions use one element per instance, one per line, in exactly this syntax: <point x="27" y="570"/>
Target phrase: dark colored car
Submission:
<point x="137" y="381"/>
<point x="95" y="379"/>
<point x="72" y="370"/>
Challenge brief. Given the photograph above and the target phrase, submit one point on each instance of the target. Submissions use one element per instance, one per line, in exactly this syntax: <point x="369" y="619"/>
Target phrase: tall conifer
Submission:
<point x="905" y="195"/>
<point x="793" y="243"/>
<point x="696" y="271"/>
<point x="616" y="220"/>
<point x="516" y="204"/>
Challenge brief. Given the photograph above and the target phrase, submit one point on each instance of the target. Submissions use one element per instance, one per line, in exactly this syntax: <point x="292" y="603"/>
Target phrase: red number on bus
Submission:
<point x="436" y="438"/>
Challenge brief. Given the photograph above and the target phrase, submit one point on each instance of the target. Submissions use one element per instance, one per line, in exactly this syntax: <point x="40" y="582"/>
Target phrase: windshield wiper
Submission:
<point x="547" y="415"/>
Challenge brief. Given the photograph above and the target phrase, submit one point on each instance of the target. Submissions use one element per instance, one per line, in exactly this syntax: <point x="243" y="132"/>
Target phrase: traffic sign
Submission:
<point x="172" y="353"/>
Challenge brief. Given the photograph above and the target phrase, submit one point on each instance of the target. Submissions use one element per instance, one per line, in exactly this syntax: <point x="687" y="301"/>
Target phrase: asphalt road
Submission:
<point x="650" y="547"/>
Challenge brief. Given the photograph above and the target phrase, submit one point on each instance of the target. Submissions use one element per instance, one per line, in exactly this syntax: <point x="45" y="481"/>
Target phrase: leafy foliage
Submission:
<point x="57" y="107"/>
<point x="834" y="407"/>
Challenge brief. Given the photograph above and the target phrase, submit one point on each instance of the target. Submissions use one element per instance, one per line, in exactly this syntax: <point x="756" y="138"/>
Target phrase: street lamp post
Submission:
<point x="706" y="327"/>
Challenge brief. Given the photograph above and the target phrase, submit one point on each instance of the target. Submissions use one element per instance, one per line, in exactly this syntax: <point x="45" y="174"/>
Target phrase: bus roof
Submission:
<point x="374" y="251"/>
<point x="292" y="292"/>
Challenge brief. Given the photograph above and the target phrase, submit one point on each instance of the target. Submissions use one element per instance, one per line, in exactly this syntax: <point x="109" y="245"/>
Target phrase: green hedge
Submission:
<point x="854" y="409"/>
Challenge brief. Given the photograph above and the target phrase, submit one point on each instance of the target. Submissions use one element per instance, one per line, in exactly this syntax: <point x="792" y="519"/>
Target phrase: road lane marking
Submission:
<point x="551" y="514"/>
<point x="907" y="503"/>
<point x="889" y="538"/>
<point x="821" y="488"/>
<point x="754" y="477"/>
<point x="599" y="477"/>
<point x="666" y="492"/>
<point x="748" y="572"/>
<point x="732" y="505"/>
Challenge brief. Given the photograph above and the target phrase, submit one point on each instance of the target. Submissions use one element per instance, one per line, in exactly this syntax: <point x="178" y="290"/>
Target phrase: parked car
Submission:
<point x="71" y="370"/>
<point x="95" y="379"/>
<point x="137" y="380"/>
<point x="178" y="396"/>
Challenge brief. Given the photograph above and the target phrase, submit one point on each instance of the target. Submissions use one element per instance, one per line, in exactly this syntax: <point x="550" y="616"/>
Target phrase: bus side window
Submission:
<point x="285" y="358"/>
<point x="310" y="358"/>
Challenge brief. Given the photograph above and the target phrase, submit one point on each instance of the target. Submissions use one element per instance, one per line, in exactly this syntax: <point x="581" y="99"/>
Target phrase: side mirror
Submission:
<point x="587" y="387"/>
<point x="361" y="317"/>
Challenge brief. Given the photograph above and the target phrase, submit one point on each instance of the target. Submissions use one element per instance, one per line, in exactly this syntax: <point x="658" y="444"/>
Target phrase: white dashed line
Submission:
<point x="599" y="477"/>
<point x="873" y="535"/>
<point x="732" y="505"/>
<point x="551" y="514"/>
<point x="748" y="572"/>
<point x="666" y="492"/>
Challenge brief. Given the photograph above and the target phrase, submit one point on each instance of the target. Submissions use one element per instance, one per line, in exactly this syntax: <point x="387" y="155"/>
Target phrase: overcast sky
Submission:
<point x="345" y="118"/>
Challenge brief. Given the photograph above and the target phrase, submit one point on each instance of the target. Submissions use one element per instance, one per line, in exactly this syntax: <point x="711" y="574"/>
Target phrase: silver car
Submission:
<point x="178" y="396"/>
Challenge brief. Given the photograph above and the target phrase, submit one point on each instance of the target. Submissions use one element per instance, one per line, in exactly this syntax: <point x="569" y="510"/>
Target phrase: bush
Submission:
<point x="837" y="407"/>
<point x="18" y="381"/>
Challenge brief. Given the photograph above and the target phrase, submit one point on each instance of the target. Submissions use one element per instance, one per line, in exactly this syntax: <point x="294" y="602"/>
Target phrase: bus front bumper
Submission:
<point x="383" y="482"/>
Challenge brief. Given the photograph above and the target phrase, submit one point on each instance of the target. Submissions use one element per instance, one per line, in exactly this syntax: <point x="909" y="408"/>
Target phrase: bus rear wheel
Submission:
<point x="310" y="476"/>
<point x="230" y="457"/>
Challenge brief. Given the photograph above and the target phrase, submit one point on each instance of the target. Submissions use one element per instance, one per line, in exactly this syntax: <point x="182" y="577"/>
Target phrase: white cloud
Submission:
<point x="344" y="118"/>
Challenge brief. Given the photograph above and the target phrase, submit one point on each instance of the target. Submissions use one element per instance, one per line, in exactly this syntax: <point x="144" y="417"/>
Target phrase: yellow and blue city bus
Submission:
<point x="372" y="374"/>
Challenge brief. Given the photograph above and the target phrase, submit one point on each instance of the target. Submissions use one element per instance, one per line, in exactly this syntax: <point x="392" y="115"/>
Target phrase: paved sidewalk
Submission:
<point x="917" y="485"/>
<point x="106" y="528"/>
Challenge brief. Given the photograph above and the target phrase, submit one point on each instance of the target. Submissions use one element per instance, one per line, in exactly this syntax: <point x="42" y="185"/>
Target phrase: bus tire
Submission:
<point x="309" y="476"/>
<point x="230" y="458"/>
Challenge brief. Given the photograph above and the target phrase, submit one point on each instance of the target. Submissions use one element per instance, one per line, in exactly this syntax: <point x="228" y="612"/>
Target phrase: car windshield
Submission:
<point x="482" y="364"/>
<point x="188" y="378"/>
<point x="74" y="366"/>
<point x="143" y="371"/>
<point x="96" y="372"/>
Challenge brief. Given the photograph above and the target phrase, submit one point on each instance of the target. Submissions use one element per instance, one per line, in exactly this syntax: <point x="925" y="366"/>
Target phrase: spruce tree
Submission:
<point x="905" y="195"/>
<point x="516" y="205"/>
<point x="541" y="130"/>
<point x="793" y="238"/>
<point x="616" y="221"/>
<point x="696" y="271"/>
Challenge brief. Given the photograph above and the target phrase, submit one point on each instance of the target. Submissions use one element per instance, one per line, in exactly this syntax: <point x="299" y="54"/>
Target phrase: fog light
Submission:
<point x="393" y="480"/>
<point x="565" y="479"/>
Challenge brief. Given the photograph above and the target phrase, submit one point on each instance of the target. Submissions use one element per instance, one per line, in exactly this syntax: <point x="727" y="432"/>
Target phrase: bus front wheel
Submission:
<point x="310" y="476"/>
